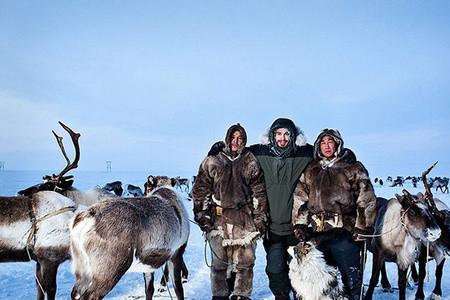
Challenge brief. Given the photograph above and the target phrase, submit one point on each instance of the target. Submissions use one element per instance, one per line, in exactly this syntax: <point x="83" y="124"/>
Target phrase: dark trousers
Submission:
<point x="341" y="251"/>
<point x="277" y="268"/>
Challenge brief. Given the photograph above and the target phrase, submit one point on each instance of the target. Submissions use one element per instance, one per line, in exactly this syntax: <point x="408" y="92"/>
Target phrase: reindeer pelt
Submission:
<point x="109" y="236"/>
<point x="311" y="277"/>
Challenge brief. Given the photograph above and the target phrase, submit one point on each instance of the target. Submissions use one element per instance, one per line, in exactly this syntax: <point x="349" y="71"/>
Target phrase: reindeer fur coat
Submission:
<point x="231" y="187"/>
<point x="335" y="194"/>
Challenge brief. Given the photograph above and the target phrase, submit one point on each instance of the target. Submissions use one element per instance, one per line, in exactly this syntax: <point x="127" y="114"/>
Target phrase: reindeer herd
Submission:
<point x="110" y="230"/>
<point x="438" y="182"/>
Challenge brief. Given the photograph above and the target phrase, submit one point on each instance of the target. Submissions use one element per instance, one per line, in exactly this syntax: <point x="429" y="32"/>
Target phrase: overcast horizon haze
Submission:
<point x="151" y="85"/>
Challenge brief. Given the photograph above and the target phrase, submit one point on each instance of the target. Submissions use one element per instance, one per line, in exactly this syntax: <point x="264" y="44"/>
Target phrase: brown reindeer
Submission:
<point x="36" y="227"/>
<point x="403" y="224"/>
<point x="110" y="236"/>
<point x="438" y="249"/>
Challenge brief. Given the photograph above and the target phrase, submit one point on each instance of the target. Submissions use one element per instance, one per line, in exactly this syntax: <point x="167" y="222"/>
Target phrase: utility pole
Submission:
<point x="2" y="166"/>
<point x="108" y="166"/>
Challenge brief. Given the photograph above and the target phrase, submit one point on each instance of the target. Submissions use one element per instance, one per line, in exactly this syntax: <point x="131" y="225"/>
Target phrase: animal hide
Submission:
<point x="311" y="277"/>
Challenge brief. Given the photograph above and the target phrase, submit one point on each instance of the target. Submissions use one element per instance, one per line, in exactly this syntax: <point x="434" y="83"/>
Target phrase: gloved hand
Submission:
<point x="203" y="220"/>
<point x="261" y="226"/>
<point x="302" y="232"/>
<point x="216" y="148"/>
<point x="358" y="231"/>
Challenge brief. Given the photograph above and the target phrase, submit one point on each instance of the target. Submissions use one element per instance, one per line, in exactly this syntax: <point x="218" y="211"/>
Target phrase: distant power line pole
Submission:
<point x="2" y="166"/>
<point x="108" y="166"/>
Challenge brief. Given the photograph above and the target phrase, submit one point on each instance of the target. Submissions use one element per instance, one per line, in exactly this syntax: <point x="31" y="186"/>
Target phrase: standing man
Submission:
<point x="334" y="203"/>
<point x="283" y="160"/>
<point x="230" y="205"/>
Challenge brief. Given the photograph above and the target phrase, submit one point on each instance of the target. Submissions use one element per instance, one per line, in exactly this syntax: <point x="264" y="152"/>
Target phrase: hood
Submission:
<point x="230" y="131"/>
<point x="336" y="135"/>
<point x="297" y="137"/>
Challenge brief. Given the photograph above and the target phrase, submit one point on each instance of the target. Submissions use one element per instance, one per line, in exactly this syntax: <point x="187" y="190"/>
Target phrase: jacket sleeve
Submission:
<point x="300" y="206"/>
<point x="258" y="189"/>
<point x="365" y="198"/>
<point x="203" y="188"/>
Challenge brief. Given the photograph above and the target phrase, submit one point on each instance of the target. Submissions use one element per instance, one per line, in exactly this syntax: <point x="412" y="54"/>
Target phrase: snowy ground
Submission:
<point x="17" y="279"/>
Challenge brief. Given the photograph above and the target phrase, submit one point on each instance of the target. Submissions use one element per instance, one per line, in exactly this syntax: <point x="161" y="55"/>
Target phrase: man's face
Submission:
<point x="328" y="146"/>
<point x="282" y="137"/>
<point x="236" y="140"/>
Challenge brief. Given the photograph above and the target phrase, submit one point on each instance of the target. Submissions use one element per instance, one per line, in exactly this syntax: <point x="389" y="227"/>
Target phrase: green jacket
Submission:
<point x="281" y="176"/>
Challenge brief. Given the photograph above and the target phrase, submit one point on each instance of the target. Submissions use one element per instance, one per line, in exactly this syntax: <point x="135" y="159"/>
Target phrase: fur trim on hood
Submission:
<point x="296" y="132"/>
<point x="336" y="135"/>
<point x="230" y="131"/>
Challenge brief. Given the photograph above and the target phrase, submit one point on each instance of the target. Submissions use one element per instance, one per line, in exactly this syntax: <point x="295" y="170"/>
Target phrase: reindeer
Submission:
<point x="36" y="227"/>
<point x="438" y="249"/>
<point x="149" y="185"/>
<point x="441" y="183"/>
<point x="182" y="184"/>
<point x="402" y="225"/>
<point x="133" y="191"/>
<point x="109" y="236"/>
<point x="398" y="181"/>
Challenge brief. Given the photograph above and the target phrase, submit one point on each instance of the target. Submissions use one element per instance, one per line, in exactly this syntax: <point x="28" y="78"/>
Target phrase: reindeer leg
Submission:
<point x="376" y="266"/>
<point x="414" y="274"/>
<point x="422" y="262"/>
<point x="149" y="279"/>
<point x="164" y="279"/>
<point x="437" y="288"/>
<point x="401" y="283"/>
<point x="175" y="266"/>
<point x="385" y="284"/>
<point x="46" y="274"/>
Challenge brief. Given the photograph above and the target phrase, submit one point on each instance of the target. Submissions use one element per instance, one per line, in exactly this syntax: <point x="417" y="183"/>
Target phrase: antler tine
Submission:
<point x="59" y="139"/>
<point x="428" y="194"/>
<point x="74" y="136"/>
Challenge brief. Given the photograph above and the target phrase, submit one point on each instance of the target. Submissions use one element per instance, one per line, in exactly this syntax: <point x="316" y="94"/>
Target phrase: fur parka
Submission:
<point x="231" y="187"/>
<point x="335" y="194"/>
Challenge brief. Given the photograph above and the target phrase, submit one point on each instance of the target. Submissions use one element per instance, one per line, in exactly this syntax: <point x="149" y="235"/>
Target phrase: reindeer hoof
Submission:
<point x="434" y="296"/>
<point x="161" y="289"/>
<point x="184" y="280"/>
<point x="388" y="290"/>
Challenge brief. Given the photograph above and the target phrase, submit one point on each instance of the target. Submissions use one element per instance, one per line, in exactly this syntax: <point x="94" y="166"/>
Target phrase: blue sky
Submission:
<point x="151" y="85"/>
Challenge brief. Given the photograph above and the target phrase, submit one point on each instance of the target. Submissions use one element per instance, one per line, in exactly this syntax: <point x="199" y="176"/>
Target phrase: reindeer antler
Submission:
<point x="74" y="136"/>
<point x="428" y="194"/>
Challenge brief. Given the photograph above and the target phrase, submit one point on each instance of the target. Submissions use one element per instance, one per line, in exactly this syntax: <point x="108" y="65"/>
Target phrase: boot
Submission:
<point x="282" y="296"/>
<point x="235" y="297"/>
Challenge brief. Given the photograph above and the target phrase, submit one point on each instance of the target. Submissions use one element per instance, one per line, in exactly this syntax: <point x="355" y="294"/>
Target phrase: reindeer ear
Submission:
<point x="399" y="198"/>
<point x="173" y="181"/>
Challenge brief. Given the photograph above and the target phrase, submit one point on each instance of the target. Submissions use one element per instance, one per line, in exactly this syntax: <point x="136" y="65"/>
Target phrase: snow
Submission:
<point x="17" y="279"/>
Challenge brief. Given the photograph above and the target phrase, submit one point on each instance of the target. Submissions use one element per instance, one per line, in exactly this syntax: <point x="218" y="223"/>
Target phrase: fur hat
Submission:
<point x="335" y="134"/>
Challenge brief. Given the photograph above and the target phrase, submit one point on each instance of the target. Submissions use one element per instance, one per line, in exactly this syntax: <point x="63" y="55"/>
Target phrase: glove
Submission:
<point x="203" y="220"/>
<point x="216" y="148"/>
<point x="261" y="226"/>
<point x="302" y="232"/>
<point x="357" y="231"/>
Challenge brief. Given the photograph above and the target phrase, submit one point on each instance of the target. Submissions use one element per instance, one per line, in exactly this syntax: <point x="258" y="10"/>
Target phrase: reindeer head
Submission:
<point x="417" y="217"/>
<point x="58" y="183"/>
<point x="156" y="181"/>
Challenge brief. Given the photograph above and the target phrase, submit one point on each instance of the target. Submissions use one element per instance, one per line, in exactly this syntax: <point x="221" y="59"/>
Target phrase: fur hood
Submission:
<point x="230" y="131"/>
<point x="336" y="135"/>
<point x="299" y="136"/>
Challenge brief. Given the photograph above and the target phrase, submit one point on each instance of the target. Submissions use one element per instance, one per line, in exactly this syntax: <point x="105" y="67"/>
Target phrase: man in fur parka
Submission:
<point x="230" y="205"/>
<point x="334" y="202"/>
